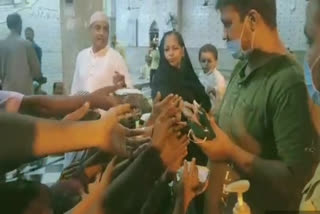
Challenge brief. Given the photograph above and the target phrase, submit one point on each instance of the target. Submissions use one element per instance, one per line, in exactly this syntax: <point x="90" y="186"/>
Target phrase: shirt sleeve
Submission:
<point x="292" y="125"/>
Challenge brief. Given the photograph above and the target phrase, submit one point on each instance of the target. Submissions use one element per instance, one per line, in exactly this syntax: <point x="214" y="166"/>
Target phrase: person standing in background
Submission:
<point x="19" y="64"/>
<point x="145" y="69"/>
<point x="98" y="65"/>
<point x="155" y="56"/>
<point x="212" y="80"/>
<point x="29" y="34"/>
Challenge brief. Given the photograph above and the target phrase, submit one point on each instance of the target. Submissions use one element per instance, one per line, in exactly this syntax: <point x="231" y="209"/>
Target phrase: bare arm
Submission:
<point x="52" y="106"/>
<point x="24" y="138"/>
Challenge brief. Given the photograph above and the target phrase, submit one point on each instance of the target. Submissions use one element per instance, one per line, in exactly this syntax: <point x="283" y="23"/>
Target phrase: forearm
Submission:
<point x="53" y="137"/>
<point x="51" y="106"/>
<point x="281" y="180"/>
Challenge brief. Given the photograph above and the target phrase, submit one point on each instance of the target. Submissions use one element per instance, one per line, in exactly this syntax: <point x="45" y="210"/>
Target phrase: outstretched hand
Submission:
<point x="218" y="149"/>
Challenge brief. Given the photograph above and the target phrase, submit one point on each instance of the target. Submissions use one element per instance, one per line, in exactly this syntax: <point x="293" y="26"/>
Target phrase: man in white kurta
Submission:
<point x="96" y="67"/>
<point x="96" y="70"/>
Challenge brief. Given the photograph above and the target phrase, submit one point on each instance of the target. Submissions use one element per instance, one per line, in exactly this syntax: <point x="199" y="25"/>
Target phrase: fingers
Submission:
<point x="177" y="127"/>
<point x="194" y="168"/>
<point x="138" y="140"/>
<point x="185" y="167"/>
<point x="122" y="109"/>
<point x="214" y="125"/>
<point x="175" y="102"/>
<point x="167" y="100"/>
<point x="157" y="98"/>
<point x="188" y="105"/>
<point x="136" y="132"/>
<point x="107" y="174"/>
<point x="79" y="113"/>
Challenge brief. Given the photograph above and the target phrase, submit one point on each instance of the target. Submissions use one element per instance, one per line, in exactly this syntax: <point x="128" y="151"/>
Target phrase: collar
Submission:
<point x="100" y="53"/>
<point x="255" y="61"/>
<point x="210" y="72"/>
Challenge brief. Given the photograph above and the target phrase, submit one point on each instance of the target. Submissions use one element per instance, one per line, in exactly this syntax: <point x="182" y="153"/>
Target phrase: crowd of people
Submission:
<point x="263" y="126"/>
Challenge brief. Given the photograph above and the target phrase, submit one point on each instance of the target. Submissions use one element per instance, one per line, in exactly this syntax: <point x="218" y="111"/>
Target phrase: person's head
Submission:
<point x="155" y="43"/>
<point x="29" y="34"/>
<point x="25" y="197"/>
<point x="208" y="57"/>
<point x="248" y="21"/>
<point x="173" y="48"/>
<point x="14" y="23"/>
<point x="99" y="29"/>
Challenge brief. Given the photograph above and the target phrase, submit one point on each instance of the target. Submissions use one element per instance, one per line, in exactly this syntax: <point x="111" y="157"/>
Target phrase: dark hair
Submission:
<point x="177" y="35"/>
<point x="266" y="8"/>
<point x="14" y="21"/>
<point x="29" y="28"/>
<point x="209" y="48"/>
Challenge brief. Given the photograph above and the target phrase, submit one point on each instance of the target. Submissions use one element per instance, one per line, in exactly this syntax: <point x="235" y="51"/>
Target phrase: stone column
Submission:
<point x="75" y="16"/>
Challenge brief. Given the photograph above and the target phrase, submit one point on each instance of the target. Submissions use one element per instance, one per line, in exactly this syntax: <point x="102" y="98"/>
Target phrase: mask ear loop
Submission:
<point x="241" y="35"/>
<point x="311" y="70"/>
<point x="191" y="140"/>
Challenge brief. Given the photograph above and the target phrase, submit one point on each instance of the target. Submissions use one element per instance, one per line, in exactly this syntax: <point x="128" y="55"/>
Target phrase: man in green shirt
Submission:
<point x="265" y="129"/>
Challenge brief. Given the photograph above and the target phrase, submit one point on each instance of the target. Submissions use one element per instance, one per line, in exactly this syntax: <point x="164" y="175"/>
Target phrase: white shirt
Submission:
<point x="214" y="84"/>
<point x="96" y="70"/>
<point x="10" y="101"/>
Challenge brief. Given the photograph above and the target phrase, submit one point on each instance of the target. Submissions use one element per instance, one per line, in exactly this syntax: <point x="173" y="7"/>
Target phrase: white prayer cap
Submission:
<point x="98" y="16"/>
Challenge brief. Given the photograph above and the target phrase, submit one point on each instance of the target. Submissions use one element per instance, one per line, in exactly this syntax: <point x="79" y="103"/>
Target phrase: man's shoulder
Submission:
<point x="36" y="46"/>
<point x="84" y="52"/>
<point x="115" y="54"/>
<point x="286" y="71"/>
<point x="25" y="42"/>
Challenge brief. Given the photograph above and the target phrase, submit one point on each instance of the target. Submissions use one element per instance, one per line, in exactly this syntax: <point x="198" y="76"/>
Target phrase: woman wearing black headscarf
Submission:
<point x="175" y="74"/>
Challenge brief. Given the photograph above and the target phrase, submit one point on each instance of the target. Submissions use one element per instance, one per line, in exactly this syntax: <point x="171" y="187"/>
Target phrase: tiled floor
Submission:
<point x="48" y="174"/>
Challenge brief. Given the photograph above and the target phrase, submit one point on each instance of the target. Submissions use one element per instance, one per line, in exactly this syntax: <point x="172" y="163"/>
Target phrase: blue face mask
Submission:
<point x="308" y="78"/>
<point x="234" y="46"/>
